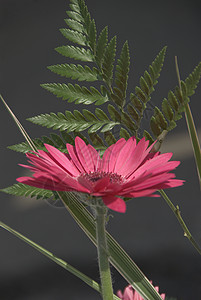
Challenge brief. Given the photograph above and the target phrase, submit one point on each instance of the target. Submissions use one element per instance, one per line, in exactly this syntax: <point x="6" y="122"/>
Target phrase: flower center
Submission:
<point x="95" y="176"/>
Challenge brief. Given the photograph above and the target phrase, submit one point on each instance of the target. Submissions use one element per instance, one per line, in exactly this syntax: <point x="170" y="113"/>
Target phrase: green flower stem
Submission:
<point x="177" y="213"/>
<point x="103" y="256"/>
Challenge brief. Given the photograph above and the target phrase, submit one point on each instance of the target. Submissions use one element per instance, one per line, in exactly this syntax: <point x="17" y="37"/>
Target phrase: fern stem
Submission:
<point x="177" y="213"/>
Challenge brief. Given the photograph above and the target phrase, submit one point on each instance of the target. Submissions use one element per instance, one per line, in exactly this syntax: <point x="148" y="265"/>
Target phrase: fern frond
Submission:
<point x="109" y="138"/>
<point x="76" y="53"/>
<point x="20" y="189"/>
<point x="74" y="36"/>
<point x="97" y="141"/>
<point x="143" y="92"/>
<point x="75" y="121"/>
<point x="101" y="45"/>
<point x="174" y="105"/>
<point x="76" y="93"/>
<point x="75" y="25"/>
<point x="124" y="134"/>
<point x="157" y="65"/>
<point x="121" y="76"/>
<point x="108" y="61"/>
<point x="54" y="140"/>
<point x="192" y="80"/>
<point x="75" y="72"/>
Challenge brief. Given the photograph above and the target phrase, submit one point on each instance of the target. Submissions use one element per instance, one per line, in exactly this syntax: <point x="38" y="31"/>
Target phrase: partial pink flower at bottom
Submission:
<point x="130" y="294"/>
<point x="127" y="169"/>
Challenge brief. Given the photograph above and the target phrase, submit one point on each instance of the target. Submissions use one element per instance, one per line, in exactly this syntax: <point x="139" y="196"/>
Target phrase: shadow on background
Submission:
<point x="148" y="231"/>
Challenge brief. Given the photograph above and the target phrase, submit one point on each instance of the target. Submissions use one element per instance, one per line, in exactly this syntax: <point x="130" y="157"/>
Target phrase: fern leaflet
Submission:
<point x="76" y="93"/>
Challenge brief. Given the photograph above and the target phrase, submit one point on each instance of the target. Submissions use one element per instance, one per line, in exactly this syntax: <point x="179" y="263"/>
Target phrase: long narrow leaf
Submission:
<point x="189" y="118"/>
<point x="54" y="258"/>
<point x="118" y="257"/>
<point x="194" y="139"/>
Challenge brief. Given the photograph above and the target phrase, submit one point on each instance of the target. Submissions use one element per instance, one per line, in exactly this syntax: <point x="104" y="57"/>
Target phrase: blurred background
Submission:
<point x="149" y="232"/>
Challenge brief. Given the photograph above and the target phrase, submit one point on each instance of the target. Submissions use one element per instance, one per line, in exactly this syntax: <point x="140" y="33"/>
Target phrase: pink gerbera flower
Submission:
<point x="130" y="294"/>
<point x="126" y="169"/>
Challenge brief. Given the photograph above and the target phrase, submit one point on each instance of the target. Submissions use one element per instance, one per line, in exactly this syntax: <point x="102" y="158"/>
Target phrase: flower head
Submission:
<point x="127" y="169"/>
<point x="130" y="294"/>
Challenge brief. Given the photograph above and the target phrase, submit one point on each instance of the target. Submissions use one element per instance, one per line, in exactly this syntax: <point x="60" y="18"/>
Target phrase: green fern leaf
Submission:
<point x="121" y="74"/>
<point x="74" y="25"/>
<point x="124" y="134"/>
<point x="67" y="138"/>
<point x="108" y="61"/>
<point x="114" y="114"/>
<point x="21" y="189"/>
<point x="155" y="127"/>
<point x="74" y="36"/>
<point x="74" y="122"/>
<point x="192" y="80"/>
<point x="109" y="138"/>
<point x="126" y="120"/>
<point x="77" y="72"/>
<point x="76" y="93"/>
<point x="157" y="65"/>
<point x="57" y="141"/>
<point x="92" y="36"/>
<point x="141" y="95"/>
<point x="76" y="53"/>
<point x="160" y="119"/>
<point x="167" y="110"/>
<point x="133" y="113"/>
<point x="148" y="137"/>
<point x="23" y="147"/>
<point x="173" y="100"/>
<point x="136" y="103"/>
<point x="97" y="141"/>
<point x="101" y="45"/>
<point x="75" y="16"/>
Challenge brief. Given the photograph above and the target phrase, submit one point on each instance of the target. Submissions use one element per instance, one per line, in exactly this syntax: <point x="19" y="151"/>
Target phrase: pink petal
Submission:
<point x="95" y="157"/>
<point x="124" y="155"/>
<point x="137" y="157"/>
<point x="84" y="155"/>
<point x="114" y="203"/>
<point x="155" y="162"/>
<point x="110" y="156"/>
<point x="61" y="159"/>
<point x="73" y="154"/>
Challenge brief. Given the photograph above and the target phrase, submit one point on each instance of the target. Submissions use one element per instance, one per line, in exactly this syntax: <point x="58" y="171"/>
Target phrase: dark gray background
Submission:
<point x="148" y="231"/>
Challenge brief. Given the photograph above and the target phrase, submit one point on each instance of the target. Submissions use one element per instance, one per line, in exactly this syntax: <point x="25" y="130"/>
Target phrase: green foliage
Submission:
<point x="76" y="121"/>
<point x="20" y="189"/>
<point x="76" y="93"/>
<point x="54" y="140"/>
<point x="192" y="80"/>
<point x="143" y="92"/>
<point x="101" y="45"/>
<point x="76" y="53"/>
<point x="121" y="76"/>
<point x="173" y="106"/>
<point x="108" y="61"/>
<point x="77" y="72"/>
